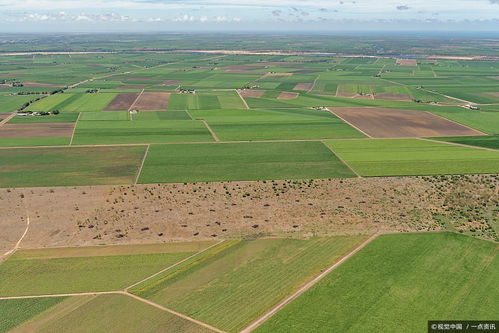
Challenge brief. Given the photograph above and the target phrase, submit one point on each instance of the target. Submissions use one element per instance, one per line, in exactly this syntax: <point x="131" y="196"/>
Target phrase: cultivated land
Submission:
<point x="405" y="279"/>
<point x="276" y="195"/>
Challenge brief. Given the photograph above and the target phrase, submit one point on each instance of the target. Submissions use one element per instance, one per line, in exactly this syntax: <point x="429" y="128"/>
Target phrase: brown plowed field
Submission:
<point x="252" y="93"/>
<point x="391" y="123"/>
<point x="303" y="86"/>
<point x="407" y="62"/>
<point x="288" y="95"/>
<point x="38" y="130"/>
<point x="122" y="102"/>
<point x="152" y="101"/>
<point x="394" y="97"/>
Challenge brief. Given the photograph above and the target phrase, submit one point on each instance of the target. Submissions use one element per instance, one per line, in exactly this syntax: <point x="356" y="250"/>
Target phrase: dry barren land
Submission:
<point x="80" y="216"/>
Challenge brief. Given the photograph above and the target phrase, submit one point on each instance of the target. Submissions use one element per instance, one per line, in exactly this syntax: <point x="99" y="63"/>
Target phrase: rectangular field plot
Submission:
<point x="122" y="102"/>
<point x="479" y="141"/>
<point x="35" y="134"/>
<point x="69" y="166"/>
<point x="152" y="101"/>
<point x="283" y="124"/>
<point x="59" y="118"/>
<point x="206" y="100"/>
<point x="399" y="280"/>
<point x="399" y="157"/>
<point x="54" y="271"/>
<point x="241" y="161"/>
<point x="391" y="123"/>
<point x="50" y="103"/>
<point x="220" y="284"/>
<point x="148" y="131"/>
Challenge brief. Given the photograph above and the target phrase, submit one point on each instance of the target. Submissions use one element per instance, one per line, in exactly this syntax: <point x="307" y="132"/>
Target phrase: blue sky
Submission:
<point x="247" y="15"/>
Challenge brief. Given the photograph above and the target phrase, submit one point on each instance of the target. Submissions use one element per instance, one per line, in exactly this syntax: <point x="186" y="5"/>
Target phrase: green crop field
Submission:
<point x="398" y="157"/>
<point x="69" y="166"/>
<point x="60" y="118"/>
<point x="479" y="141"/>
<point x="59" y="271"/>
<point x="50" y="103"/>
<point x="241" y="161"/>
<point x="12" y="103"/>
<point x="17" y="311"/>
<point x="399" y="281"/>
<point x="109" y="313"/>
<point x="218" y="287"/>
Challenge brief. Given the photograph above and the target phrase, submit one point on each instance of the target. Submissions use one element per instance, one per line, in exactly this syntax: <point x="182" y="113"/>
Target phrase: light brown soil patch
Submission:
<point x="152" y="101"/>
<point x="252" y="93"/>
<point x="34" y="130"/>
<point x="340" y="94"/>
<point x="133" y="87"/>
<point x="407" y="62"/>
<point x="493" y="94"/>
<point x="43" y="85"/>
<point x="171" y="82"/>
<point x="394" y="97"/>
<point x="94" y="215"/>
<point x="122" y="102"/>
<point x="8" y="74"/>
<point x="494" y="77"/>
<point x="390" y="123"/>
<point x="288" y="95"/>
<point x="303" y="86"/>
<point x="363" y="96"/>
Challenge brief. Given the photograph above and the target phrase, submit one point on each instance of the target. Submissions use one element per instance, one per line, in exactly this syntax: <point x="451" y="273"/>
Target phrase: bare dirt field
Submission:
<point x="170" y="82"/>
<point x="37" y="130"/>
<point x="252" y="93"/>
<point x="394" y="97"/>
<point x="407" y="62"/>
<point x="391" y="123"/>
<point x="152" y="101"/>
<point x="82" y="216"/>
<point x="303" y="86"/>
<point x="42" y="85"/>
<point x="288" y="95"/>
<point x="8" y="74"/>
<point x="122" y="102"/>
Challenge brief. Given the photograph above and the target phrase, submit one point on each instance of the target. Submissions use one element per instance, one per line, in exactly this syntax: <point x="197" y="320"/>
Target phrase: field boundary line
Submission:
<point x="458" y="144"/>
<point x="90" y="293"/>
<point x="173" y="312"/>
<point x="211" y="131"/>
<point x="171" y="266"/>
<point x="342" y="160"/>
<point x="139" y="172"/>
<point x="313" y="84"/>
<point x="135" y="101"/>
<point x="7" y="119"/>
<point x="308" y="285"/>
<point x="349" y="123"/>
<point x="74" y="129"/>
<point x="18" y="244"/>
<point x="242" y="99"/>
<point x="455" y="122"/>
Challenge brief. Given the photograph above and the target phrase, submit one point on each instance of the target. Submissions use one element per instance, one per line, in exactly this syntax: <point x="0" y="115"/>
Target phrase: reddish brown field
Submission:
<point x="252" y="93"/>
<point x="288" y="95"/>
<point x="171" y="82"/>
<point x="37" y="130"/>
<point x="43" y="85"/>
<point x="394" y="97"/>
<point x="407" y="62"/>
<point x="122" y="102"/>
<point x="303" y="86"/>
<point x="390" y="123"/>
<point x="152" y="101"/>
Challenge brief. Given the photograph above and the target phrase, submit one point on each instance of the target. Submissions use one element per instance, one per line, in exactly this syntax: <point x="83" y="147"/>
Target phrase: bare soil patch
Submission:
<point x="407" y="62"/>
<point x="37" y="130"/>
<point x="43" y="85"/>
<point x="252" y="93"/>
<point x="133" y="87"/>
<point x="8" y="74"/>
<point x="288" y="95"/>
<point x="493" y="94"/>
<point x="394" y="97"/>
<point x="122" y="102"/>
<point x="303" y="86"/>
<point x="98" y="215"/>
<point x="152" y="101"/>
<point x="391" y="123"/>
<point x="171" y="82"/>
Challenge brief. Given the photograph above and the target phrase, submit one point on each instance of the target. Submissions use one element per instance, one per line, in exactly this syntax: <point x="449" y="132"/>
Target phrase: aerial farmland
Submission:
<point x="186" y="189"/>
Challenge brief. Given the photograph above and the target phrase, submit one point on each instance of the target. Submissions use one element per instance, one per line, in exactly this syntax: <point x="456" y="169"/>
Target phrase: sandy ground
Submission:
<point x="37" y="130"/>
<point x="82" y="216"/>
<point x="152" y="101"/>
<point x="304" y="86"/>
<point x="252" y="93"/>
<point x="391" y="123"/>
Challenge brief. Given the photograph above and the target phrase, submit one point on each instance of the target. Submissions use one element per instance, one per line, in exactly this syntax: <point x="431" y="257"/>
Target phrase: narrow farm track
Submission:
<point x="241" y="97"/>
<point x="213" y="134"/>
<point x="136" y="100"/>
<point x="139" y="172"/>
<point x="307" y="286"/>
<point x="349" y="123"/>
<point x="6" y="120"/>
<point x="459" y="144"/>
<point x="18" y="244"/>
<point x="343" y="161"/>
